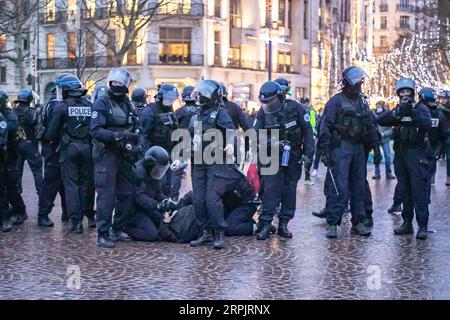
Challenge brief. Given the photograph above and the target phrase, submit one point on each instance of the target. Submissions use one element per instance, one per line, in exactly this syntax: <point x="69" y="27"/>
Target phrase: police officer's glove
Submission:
<point x="404" y="109"/>
<point x="168" y="205"/>
<point x="328" y="161"/>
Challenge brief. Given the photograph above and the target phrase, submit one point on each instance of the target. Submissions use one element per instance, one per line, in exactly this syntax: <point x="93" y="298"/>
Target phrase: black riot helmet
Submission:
<point x="352" y="79"/>
<point x="167" y="95"/>
<point x="304" y="100"/>
<point x="207" y="92"/>
<point x="139" y="97"/>
<point x="157" y="162"/>
<point x="284" y="83"/>
<point x="224" y="91"/>
<point x="25" y="95"/>
<point x="405" y="84"/>
<point x="70" y="85"/>
<point x="186" y="95"/>
<point x="3" y="98"/>
<point x="428" y="95"/>
<point x="119" y="80"/>
<point x="271" y="96"/>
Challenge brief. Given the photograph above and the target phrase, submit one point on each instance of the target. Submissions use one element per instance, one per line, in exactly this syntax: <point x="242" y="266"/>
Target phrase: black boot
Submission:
<point x="219" y="241"/>
<point x="422" y="234"/>
<point x="45" y="222"/>
<point x="65" y="216"/>
<point x="369" y="222"/>
<point x="77" y="227"/>
<point x="6" y="225"/>
<point x="104" y="241"/>
<point x="119" y="235"/>
<point x="283" y="230"/>
<point x="91" y="222"/>
<point x="273" y="229"/>
<point x="361" y="230"/>
<point x="264" y="233"/>
<point x="206" y="237"/>
<point x="322" y="214"/>
<point x="332" y="232"/>
<point x="406" y="228"/>
<point x="396" y="207"/>
<point x="20" y="218"/>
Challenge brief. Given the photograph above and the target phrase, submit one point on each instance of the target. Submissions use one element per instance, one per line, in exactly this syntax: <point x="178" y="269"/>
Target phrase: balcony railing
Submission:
<point x="78" y="63"/>
<point x="58" y="16"/>
<point x="187" y="60"/>
<point x="246" y="64"/>
<point x="405" y="8"/>
<point x="384" y="7"/>
<point x="404" y="26"/>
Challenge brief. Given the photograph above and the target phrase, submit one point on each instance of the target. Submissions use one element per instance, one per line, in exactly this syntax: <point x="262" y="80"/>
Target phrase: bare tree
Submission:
<point x="18" y="24"/>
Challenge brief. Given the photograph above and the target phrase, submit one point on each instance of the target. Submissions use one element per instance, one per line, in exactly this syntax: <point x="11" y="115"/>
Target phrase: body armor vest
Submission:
<point x="165" y="124"/>
<point x="120" y="120"/>
<point x="408" y="136"/>
<point x="79" y="118"/>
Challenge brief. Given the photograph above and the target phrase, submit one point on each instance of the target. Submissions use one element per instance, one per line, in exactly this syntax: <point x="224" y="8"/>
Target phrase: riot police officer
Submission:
<point x="143" y="225"/>
<point x="205" y="182"/>
<point x="139" y="99"/>
<point x="439" y="127"/>
<point x="185" y="113"/>
<point x="296" y="144"/>
<point x="4" y="204"/>
<point x="70" y="127"/>
<point x="347" y="130"/>
<point x="412" y="163"/>
<point x="99" y="91"/>
<point x="313" y="121"/>
<point x="52" y="183"/>
<point x="444" y="107"/>
<point x="158" y="121"/>
<point x="28" y="145"/>
<point x="115" y="129"/>
<point x="10" y="164"/>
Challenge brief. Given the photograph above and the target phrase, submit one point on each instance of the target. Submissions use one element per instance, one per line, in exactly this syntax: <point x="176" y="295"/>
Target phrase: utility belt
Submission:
<point x="67" y="139"/>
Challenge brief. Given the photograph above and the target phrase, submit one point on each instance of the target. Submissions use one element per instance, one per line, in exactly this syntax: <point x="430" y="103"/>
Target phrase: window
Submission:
<point x="235" y="13"/>
<point x="50" y="46"/>
<point x="175" y="45"/>
<point x="50" y="10"/>
<point x="383" y="23"/>
<point x="217" y="11"/>
<point x="305" y="59"/>
<point x="2" y="42"/>
<point x="284" y="61"/>
<point x="26" y="44"/>
<point x="217" y="53"/>
<point x="383" y="41"/>
<point x="269" y="5"/>
<point x="90" y="44"/>
<point x="72" y="45"/>
<point x="404" y="22"/>
<point x="305" y="19"/>
<point x="132" y="54"/>
<point x="2" y="74"/>
<point x="234" y="58"/>
<point x="282" y="12"/>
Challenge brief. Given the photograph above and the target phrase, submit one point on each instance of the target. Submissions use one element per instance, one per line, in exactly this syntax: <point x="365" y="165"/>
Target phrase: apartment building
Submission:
<point x="231" y="41"/>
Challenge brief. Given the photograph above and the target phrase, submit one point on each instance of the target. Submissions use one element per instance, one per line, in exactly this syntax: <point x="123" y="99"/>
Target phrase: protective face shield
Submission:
<point x="271" y="105"/>
<point x="271" y="96"/>
<point x="444" y="97"/>
<point x="69" y="85"/>
<point x="186" y="95"/>
<point x="169" y="96"/>
<point x="157" y="162"/>
<point x="206" y="91"/>
<point x="353" y="76"/>
<point x="120" y="75"/>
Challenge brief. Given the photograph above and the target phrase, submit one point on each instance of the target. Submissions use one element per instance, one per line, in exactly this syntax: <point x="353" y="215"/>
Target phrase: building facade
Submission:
<point x="231" y="41"/>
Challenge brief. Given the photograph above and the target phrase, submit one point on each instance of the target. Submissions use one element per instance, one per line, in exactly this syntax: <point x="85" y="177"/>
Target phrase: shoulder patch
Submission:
<point x="3" y="125"/>
<point x="307" y="117"/>
<point x="94" y="115"/>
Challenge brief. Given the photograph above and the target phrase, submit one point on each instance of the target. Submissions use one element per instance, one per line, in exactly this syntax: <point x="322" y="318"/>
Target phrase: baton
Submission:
<point x="334" y="181"/>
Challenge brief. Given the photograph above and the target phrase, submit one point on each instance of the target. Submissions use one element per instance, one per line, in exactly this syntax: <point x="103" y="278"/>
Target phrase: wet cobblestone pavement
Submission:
<point x="37" y="263"/>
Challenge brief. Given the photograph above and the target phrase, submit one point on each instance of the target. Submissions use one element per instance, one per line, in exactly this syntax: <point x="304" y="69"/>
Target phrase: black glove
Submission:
<point x="404" y="109"/>
<point x="328" y="161"/>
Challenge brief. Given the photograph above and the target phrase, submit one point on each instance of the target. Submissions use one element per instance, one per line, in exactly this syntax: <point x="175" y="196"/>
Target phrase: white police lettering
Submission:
<point x="3" y="124"/>
<point x="435" y="123"/>
<point x="79" y="112"/>
<point x="291" y="124"/>
<point x="406" y="119"/>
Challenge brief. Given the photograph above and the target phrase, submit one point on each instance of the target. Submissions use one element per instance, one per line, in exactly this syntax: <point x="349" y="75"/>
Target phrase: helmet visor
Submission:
<point x="204" y="88"/>
<point x="158" y="171"/>
<point x="120" y="75"/>
<point x="169" y="98"/>
<point x="355" y="76"/>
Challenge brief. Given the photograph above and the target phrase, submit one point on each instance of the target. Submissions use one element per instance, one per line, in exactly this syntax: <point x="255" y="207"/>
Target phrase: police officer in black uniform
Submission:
<point x="444" y="107"/>
<point x="28" y="145"/>
<point x="4" y="204"/>
<point x="99" y="91"/>
<point x="347" y="131"/>
<point x="158" y="121"/>
<point x="206" y="183"/>
<point x="439" y="127"/>
<point x="70" y="127"/>
<point x="139" y="99"/>
<point x="296" y="144"/>
<point x="11" y="165"/>
<point x="115" y="129"/>
<point x="189" y="108"/>
<point x="413" y="159"/>
<point x="143" y="224"/>
<point x="52" y="183"/>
